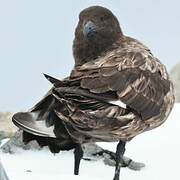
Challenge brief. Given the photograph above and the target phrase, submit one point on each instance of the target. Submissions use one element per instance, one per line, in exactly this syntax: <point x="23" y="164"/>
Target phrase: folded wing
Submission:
<point x="139" y="80"/>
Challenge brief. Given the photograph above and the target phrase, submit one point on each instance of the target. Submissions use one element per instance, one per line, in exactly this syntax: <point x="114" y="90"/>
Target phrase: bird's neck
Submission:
<point x="84" y="52"/>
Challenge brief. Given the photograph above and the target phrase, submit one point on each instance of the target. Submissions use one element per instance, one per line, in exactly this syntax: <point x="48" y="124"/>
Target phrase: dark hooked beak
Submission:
<point x="89" y="29"/>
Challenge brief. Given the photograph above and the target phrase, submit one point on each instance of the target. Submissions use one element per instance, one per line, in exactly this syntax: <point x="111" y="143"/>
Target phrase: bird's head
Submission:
<point x="96" y="31"/>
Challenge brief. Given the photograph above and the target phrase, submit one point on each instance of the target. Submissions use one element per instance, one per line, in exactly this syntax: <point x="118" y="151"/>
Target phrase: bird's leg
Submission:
<point x="119" y="158"/>
<point x="78" y="154"/>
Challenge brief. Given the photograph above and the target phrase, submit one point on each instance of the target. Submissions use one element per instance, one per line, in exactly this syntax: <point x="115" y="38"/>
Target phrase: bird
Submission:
<point x="117" y="90"/>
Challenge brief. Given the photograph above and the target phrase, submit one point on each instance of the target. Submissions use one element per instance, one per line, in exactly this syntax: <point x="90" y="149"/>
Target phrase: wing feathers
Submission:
<point x="54" y="81"/>
<point x="27" y="121"/>
<point x="122" y="73"/>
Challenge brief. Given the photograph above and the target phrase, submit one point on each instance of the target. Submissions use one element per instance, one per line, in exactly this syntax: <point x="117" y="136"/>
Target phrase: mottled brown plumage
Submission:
<point x="109" y="67"/>
<point x="129" y="73"/>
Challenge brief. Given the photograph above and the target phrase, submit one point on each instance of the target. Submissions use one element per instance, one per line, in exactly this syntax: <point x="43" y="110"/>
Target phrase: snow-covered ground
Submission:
<point x="159" y="149"/>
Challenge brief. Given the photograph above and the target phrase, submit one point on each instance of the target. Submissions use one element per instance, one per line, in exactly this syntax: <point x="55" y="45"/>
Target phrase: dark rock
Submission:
<point x="95" y="152"/>
<point x="16" y="143"/>
<point x="91" y="152"/>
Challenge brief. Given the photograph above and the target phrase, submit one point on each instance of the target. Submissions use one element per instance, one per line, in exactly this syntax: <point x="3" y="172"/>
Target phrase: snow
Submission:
<point x="158" y="149"/>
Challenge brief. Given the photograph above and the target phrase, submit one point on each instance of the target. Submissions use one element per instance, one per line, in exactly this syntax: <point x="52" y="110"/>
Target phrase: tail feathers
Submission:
<point x="28" y="122"/>
<point x="42" y="141"/>
<point x="55" y="145"/>
<point x="56" y="137"/>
